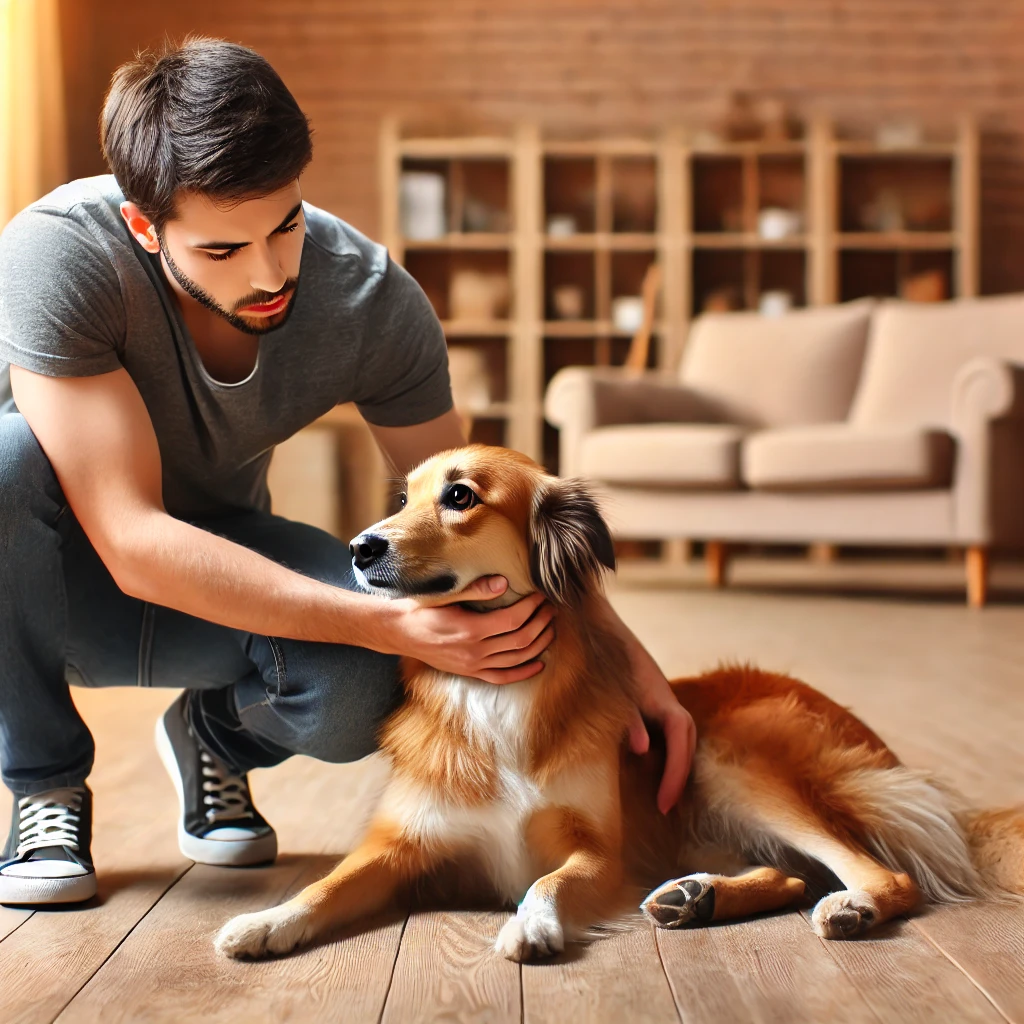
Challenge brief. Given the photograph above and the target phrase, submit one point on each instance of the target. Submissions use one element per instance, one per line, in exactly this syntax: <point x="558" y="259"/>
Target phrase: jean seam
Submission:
<point x="280" y="666"/>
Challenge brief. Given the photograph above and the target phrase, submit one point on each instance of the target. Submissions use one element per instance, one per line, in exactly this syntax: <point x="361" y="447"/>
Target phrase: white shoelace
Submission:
<point x="226" y="797"/>
<point x="44" y="821"/>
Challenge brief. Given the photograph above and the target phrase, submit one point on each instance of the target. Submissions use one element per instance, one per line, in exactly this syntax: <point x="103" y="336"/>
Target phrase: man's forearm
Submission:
<point x="168" y="562"/>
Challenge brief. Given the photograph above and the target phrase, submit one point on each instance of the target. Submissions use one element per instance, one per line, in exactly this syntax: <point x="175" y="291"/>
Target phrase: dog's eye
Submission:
<point x="459" y="497"/>
<point x="403" y="499"/>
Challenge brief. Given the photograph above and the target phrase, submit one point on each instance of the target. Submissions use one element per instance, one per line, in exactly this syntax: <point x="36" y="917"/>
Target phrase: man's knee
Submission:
<point x="331" y="710"/>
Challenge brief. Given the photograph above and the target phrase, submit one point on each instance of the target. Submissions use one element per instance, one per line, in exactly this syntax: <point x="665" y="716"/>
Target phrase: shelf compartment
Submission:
<point x="436" y="270"/>
<point x="736" y="278"/>
<point x="569" y="270"/>
<point x="883" y="273"/>
<point x="895" y="194"/>
<point x="570" y="191"/>
<point x="493" y="353"/>
<point x="634" y="195"/>
<point x="718" y="195"/>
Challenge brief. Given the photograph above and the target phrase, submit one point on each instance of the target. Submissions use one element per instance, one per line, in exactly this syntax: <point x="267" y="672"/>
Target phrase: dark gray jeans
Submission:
<point x="255" y="700"/>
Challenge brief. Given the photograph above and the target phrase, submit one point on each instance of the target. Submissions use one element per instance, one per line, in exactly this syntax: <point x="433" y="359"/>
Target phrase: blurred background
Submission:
<point x="531" y="162"/>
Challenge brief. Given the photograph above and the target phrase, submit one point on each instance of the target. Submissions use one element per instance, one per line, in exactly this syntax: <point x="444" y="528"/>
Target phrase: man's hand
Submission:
<point x="501" y="646"/>
<point x="656" y="702"/>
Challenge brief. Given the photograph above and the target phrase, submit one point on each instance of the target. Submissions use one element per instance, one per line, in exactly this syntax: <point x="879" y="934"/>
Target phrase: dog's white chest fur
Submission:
<point x="496" y="717"/>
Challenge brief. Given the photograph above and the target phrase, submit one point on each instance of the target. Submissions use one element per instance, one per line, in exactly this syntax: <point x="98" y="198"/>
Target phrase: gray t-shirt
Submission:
<point x="79" y="296"/>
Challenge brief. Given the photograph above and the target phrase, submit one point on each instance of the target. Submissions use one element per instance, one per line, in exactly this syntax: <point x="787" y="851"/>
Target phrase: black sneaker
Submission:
<point x="47" y="857"/>
<point x="218" y="823"/>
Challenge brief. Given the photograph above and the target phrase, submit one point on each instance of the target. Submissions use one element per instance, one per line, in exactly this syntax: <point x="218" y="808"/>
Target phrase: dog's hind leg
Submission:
<point x="362" y="883"/>
<point x="702" y="898"/>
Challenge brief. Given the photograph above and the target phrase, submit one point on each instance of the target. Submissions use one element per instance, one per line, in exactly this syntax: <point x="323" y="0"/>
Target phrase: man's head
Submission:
<point x="207" y="145"/>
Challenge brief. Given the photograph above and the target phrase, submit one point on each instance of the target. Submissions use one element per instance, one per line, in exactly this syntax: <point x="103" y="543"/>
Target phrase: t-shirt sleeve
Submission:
<point x="403" y="372"/>
<point x="61" y="311"/>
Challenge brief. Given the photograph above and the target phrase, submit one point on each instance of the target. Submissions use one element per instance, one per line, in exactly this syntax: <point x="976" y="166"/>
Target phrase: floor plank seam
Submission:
<point x="391" y="977"/>
<point x="27" y="917"/>
<point x="952" y="959"/>
<point x="124" y="938"/>
<point x="668" y="978"/>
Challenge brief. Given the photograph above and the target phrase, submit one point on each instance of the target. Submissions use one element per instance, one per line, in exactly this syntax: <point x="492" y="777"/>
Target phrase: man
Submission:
<point x="162" y="329"/>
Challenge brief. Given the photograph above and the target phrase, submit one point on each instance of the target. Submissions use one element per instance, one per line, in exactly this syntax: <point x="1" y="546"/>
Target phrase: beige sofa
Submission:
<point x="862" y="423"/>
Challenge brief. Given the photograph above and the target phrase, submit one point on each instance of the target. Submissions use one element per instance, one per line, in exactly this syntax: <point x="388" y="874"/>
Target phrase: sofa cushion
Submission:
<point x="838" y="457"/>
<point x="802" y="367"/>
<point x="664" y="455"/>
<point x="916" y="349"/>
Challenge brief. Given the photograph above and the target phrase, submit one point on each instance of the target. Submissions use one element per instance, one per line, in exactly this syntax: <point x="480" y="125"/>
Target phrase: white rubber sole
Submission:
<point x="47" y="890"/>
<point x="234" y="853"/>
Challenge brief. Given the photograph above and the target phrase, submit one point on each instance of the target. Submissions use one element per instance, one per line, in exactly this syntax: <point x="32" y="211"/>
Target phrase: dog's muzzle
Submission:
<point x="366" y="549"/>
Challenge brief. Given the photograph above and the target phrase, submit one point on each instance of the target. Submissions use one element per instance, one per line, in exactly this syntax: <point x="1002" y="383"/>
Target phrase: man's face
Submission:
<point x="239" y="261"/>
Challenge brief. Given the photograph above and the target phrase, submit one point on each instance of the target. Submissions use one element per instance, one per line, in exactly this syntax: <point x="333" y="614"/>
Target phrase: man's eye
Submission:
<point x="459" y="497"/>
<point x="288" y="230"/>
<point x="222" y="255"/>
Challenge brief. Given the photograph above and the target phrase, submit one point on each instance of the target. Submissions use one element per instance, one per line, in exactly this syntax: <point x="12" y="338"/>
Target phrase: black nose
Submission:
<point x="366" y="549"/>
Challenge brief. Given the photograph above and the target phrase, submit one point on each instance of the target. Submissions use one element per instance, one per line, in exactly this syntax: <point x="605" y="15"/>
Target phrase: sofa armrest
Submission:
<point x="987" y="417"/>
<point x="581" y="398"/>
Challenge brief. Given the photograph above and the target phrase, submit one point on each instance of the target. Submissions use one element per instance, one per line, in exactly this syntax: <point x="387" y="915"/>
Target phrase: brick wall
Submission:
<point x="590" y="67"/>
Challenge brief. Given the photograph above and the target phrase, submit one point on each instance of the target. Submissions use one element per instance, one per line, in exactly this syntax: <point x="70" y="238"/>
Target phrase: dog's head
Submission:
<point x="481" y="511"/>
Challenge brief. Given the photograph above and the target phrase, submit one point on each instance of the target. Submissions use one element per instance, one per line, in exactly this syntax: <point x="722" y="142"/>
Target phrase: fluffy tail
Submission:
<point x="913" y="823"/>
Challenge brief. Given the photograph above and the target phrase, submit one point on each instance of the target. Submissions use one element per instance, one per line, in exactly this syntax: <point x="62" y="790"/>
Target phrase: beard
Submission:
<point x="262" y="326"/>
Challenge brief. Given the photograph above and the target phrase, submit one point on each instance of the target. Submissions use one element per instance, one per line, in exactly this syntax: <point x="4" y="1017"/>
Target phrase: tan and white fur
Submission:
<point x="526" y="792"/>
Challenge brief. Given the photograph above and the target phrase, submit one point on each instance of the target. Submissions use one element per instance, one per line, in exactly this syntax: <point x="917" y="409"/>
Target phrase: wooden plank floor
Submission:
<point x="943" y="685"/>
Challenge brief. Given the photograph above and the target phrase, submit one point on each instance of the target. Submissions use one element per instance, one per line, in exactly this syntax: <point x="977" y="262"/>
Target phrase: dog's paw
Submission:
<point x="842" y="915"/>
<point x="534" y="932"/>
<point x="263" y="933"/>
<point x="681" y="902"/>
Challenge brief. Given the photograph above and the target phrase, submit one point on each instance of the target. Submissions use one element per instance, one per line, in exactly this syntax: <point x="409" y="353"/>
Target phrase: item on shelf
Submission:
<point x="776" y="123"/>
<point x="925" y="286"/>
<point x="479" y="216"/>
<point x="927" y="210"/>
<point x="776" y="222"/>
<point x="775" y="302"/>
<point x="567" y="300"/>
<point x="738" y="121"/>
<point x="884" y="212"/>
<point x="561" y="225"/>
<point x="471" y="384"/>
<point x="478" y="295"/>
<point x="627" y="313"/>
<point x="898" y="135"/>
<point x="634" y="198"/>
<point x="421" y="199"/>
<point x="722" y="300"/>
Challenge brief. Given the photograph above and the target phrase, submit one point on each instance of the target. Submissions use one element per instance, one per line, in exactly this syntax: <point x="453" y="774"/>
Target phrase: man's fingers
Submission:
<point x="502" y="676"/>
<point x="679" y="737"/>
<point x="519" y="639"/>
<point x="509" y="659"/>
<point x="484" y="589"/>
<point x="639" y="740"/>
<point x="506" y="620"/>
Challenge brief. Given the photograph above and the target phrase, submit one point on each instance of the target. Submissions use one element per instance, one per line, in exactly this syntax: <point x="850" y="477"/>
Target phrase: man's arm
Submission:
<point x="98" y="436"/>
<point x="406" y="447"/>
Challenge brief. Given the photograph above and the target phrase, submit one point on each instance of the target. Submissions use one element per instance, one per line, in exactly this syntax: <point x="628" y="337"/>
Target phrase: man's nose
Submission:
<point x="366" y="549"/>
<point x="268" y="275"/>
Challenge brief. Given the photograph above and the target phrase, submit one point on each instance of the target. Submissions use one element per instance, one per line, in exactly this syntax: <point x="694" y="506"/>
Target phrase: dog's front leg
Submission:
<point x="361" y="884"/>
<point x="584" y="890"/>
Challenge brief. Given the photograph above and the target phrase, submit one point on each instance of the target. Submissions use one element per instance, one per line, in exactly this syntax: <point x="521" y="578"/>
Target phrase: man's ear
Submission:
<point x="570" y="541"/>
<point x="141" y="227"/>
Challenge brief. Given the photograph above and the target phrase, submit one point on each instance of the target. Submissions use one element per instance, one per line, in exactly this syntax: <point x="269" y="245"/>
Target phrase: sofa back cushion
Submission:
<point x="798" y="368"/>
<point x="916" y="349"/>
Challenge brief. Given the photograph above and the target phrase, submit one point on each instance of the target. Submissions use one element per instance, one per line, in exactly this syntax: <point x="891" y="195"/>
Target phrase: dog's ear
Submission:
<point x="569" y="541"/>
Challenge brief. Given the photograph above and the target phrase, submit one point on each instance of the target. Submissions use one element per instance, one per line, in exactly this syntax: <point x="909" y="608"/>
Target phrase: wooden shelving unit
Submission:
<point x="589" y="217"/>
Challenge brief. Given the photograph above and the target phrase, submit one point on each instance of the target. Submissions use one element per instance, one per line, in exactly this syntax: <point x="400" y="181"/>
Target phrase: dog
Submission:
<point x="528" y="789"/>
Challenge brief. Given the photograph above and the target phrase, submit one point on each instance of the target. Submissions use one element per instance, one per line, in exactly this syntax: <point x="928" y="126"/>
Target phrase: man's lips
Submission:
<point x="269" y="307"/>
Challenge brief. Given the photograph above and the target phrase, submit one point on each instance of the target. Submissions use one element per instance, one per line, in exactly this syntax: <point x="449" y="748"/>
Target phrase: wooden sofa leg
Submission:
<point x="716" y="558"/>
<point x="977" y="576"/>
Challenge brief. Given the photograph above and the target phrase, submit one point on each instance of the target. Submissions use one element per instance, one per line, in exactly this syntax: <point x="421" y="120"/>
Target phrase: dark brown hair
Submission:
<point x="206" y="117"/>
